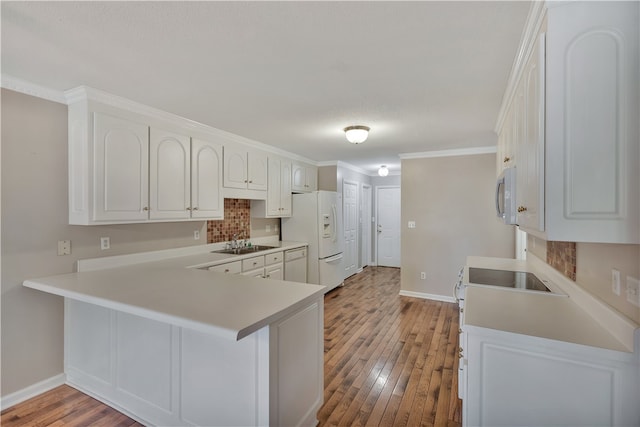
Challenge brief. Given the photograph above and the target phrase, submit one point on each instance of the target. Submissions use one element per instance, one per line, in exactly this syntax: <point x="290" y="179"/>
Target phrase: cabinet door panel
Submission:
<point x="257" y="170"/>
<point x="121" y="169"/>
<point x="285" y="188"/>
<point x="273" y="193"/>
<point x="235" y="168"/>
<point x="206" y="180"/>
<point x="169" y="167"/>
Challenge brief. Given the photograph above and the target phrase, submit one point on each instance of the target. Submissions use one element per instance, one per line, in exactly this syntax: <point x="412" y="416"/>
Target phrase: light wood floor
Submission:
<point x="389" y="361"/>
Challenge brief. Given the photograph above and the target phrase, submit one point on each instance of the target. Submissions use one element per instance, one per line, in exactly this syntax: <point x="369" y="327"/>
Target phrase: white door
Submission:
<point x="121" y="162"/>
<point x="365" y="225"/>
<point x="388" y="228"/>
<point x="350" y="203"/>
<point x="235" y="168"/>
<point x="206" y="180"/>
<point x="169" y="175"/>
<point x="257" y="170"/>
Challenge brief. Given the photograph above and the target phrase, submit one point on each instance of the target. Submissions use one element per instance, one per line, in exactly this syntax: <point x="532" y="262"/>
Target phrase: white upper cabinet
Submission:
<point x="579" y="153"/>
<point x="530" y="148"/>
<point x="245" y="169"/>
<point x="121" y="150"/>
<point x="170" y="175"/>
<point x="304" y="178"/>
<point x="125" y="167"/>
<point x="278" y="202"/>
<point x="206" y="180"/>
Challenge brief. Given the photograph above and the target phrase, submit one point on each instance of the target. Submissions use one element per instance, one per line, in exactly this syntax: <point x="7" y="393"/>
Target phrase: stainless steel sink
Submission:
<point x="243" y="251"/>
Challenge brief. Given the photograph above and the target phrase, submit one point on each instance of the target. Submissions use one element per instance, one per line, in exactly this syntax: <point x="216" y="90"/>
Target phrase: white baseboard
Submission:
<point x="443" y="298"/>
<point x="31" y="391"/>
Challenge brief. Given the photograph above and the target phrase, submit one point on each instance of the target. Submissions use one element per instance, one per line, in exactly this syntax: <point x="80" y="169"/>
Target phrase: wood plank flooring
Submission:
<point x="389" y="361"/>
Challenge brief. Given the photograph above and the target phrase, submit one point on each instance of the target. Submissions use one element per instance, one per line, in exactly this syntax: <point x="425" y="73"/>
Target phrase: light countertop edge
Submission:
<point x="174" y="291"/>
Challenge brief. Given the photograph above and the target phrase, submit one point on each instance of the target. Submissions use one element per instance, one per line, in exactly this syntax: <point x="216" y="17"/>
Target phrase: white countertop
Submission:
<point x="175" y="290"/>
<point x="568" y="313"/>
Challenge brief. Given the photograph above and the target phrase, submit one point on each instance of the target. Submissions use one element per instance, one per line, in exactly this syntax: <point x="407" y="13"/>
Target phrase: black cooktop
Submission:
<point x="507" y="279"/>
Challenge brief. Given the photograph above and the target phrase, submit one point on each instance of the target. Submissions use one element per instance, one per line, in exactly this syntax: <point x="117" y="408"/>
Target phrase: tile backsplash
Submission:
<point x="237" y="219"/>
<point x="562" y="257"/>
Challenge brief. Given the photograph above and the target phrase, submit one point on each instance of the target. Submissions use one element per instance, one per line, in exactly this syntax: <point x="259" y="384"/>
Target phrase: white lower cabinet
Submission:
<point x="509" y="379"/>
<point x="162" y="374"/>
<point x="270" y="266"/>
<point x="230" y="267"/>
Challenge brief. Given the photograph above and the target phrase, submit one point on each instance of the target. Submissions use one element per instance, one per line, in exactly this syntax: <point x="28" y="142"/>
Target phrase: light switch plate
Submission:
<point x="411" y="224"/>
<point x="615" y="281"/>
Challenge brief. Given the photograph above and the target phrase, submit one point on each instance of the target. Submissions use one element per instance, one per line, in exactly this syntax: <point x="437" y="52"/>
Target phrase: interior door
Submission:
<point x="388" y="227"/>
<point x="350" y="203"/>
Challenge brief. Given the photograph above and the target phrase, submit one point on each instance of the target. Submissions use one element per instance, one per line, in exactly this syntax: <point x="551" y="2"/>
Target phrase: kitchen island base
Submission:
<point x="163" y="374"/>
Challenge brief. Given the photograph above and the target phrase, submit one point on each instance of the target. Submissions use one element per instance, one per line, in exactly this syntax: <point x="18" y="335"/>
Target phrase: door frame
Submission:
<point x="378" y="187"/>
<point x="365" y="222"/>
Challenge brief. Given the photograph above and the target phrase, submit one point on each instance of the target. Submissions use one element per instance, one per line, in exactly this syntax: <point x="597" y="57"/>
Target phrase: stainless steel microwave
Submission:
<point x="506" y="196"/>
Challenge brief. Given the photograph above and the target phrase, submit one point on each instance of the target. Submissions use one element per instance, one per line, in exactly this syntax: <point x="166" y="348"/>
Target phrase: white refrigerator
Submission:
<point x="317" y="219"/>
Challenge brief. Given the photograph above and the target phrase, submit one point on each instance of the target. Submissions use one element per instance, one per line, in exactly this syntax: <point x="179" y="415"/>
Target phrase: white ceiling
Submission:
<point x="423" y="75"/>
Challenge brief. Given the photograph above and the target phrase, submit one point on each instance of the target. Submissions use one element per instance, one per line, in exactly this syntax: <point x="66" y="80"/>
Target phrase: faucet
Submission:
<point x="234" y="239"/>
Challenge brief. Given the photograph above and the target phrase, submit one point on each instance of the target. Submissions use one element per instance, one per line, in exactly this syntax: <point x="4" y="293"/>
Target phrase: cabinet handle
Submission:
<point x="226" y="270"/>
<point x="267" y="276"/>
<point x="188" y="209"/>
<point x="195" y="209"/>
<point x="245" y="181"/>
<point x="521" y="208"/>
<point x="459" y="330"/>
<point x="255" y="263"/>
<point x="146" y="208"/>
<point x="250" y="181"/>
<point x="506" y="159"/>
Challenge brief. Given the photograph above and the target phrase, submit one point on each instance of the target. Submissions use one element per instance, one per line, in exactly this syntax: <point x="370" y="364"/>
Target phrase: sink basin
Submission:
<point x="243" y="251"/>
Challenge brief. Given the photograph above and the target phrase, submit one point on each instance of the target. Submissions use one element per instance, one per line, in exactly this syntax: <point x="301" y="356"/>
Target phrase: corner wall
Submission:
<point x="451" y="201"/>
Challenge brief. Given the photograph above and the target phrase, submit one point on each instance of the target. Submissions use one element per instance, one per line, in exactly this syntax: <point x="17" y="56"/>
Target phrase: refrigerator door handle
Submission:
<point x="333" y="258"/>
<point x="335" y="223"/>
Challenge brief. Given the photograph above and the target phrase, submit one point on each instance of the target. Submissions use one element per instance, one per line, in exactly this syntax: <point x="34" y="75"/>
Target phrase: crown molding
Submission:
<point x="535" y="19"/>
<point x="450" y="153"/>
<point x="28" y="88"/>
<point x="82" y="93"/>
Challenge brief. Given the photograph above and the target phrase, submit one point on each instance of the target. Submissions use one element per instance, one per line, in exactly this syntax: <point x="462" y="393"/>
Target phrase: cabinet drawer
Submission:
<point x="252" y="263"/>
<point x="273" y="258"/>
<point x="230" y="267"/>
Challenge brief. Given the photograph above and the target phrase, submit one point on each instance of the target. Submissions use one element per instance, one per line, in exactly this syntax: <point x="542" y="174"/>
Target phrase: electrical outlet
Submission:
<point x="105" y="243"/>
<point x="633" y="291"/>
<point x="196" y="235"/>
<point x="411" y="224"/>
<point x="64" y="247"/>
<point x="615" y="281"/>
<point x="423" y="275"/>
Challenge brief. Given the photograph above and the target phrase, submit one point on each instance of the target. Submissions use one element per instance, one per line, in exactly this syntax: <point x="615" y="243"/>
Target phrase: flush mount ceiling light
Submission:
<point x="383" y="171"/>
<point x="356" y="134"/>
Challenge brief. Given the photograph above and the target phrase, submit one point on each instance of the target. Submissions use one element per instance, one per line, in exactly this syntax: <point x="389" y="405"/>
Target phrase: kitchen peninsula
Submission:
<point x="166" y="341"/>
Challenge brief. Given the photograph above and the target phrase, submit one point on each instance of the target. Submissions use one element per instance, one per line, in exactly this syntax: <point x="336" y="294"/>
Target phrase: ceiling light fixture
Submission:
<point x="356" y="134"/>
<point x="383" y="171"/>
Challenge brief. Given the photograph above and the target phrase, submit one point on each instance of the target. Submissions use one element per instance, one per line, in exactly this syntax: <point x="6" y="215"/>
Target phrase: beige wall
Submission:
<point x="328" y="178"/>
<point x="594" y="262"/>
<point x="34" y="218"/>
<point x="451" y="201"/>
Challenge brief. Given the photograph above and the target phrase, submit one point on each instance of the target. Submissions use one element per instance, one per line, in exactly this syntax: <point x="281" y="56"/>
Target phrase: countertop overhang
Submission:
<point x="176" y="291"/>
